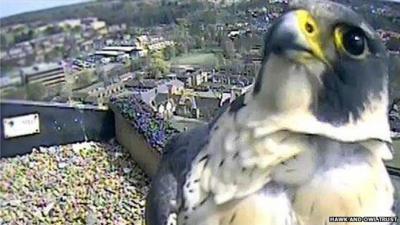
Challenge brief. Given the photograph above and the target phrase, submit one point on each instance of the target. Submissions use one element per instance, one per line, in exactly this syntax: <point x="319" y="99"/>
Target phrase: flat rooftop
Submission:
<point x="120" y="48"/>
<point x="41" y="68"/>
<point x="109" y="53"/>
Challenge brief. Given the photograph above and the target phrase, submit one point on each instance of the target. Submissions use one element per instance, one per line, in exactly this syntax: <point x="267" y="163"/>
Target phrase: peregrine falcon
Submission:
<point x="305" y="144"/>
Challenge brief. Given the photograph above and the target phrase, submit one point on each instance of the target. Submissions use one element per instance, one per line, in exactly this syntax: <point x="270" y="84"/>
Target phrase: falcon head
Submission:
<point x="325" y="71"/>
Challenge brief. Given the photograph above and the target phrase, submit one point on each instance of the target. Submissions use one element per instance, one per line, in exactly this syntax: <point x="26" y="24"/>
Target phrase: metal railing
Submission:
<point x="57" y="124"/>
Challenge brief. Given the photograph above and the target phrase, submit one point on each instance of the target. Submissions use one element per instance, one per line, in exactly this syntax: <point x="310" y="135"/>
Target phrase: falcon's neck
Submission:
<point x="250" y="112"/>
<point x="285" y="97"/>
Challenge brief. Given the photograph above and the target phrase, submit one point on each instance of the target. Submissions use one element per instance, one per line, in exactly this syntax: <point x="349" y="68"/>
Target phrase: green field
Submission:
<point x="195" y="59"/>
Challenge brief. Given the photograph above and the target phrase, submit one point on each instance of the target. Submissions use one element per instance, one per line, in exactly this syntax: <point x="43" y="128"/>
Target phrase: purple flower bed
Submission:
<point x="153" y="127"/>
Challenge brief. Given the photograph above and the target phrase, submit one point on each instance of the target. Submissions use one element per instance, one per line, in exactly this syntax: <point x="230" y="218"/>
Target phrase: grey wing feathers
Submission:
<point x="164" y="197"/>
<point x="161" y="200"/>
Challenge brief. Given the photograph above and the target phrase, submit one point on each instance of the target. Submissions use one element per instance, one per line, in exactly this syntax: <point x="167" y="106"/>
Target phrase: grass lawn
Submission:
<point x="396" y="159"/>
<point x="195" y="59"/>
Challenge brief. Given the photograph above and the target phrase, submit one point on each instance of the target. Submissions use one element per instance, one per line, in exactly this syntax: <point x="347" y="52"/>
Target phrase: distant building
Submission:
<point x="93" y="24"/>
<point x="111" y="56"/>
<point x="19" y="51"/>
<point x="148" y="89"/>
<point x="141" y="85"/>
<point x="70" y="23"/>
<point x="86" y="45"/>
<point x="117" y="28"/>
<point x="189" y="104"/>
<point x="278" y="1"/>
<point x="5" y="81"/>
<point x="234" y="80"/>
<point x="191" y="77"/>
<point x="132" y="51"/>
<point x="50" y="74"/>
<point x="152" y="43"/>
<point x="98" y="25"/>
<point x="101" y="95"/>
<point x="226" y="2"/>
<point x="170" y="97"/>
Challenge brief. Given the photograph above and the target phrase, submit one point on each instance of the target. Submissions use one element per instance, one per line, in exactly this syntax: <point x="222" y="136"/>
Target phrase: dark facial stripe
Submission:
<point x="345" y="89"/>
<point x="259" y="80"/>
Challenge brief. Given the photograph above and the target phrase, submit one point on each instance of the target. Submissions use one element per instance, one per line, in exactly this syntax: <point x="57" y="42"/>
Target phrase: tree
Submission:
<point x="169" y="52"/>
<point x="115" y="72"/>
<point x="83" y="79"/>
<point x="15" y="93"/>
<point x="65" y="90"/>
<point x="100" y="73"/>
<point x="210" y="35"/>
<point x="158" y="66"/>
<point x="52" y="55"/>
<point x="219" y="37"/>
<point x="3" y="41"/>
<point x="181" y="48"/>
<point x="138" y="77"/>
<point x="35" y="91"/>
<point x="199" y="42"/>
<point x="50" y="30"/>
<point x="24" y="36"/>
<point x="221" y="61"/>
<point x="138" y="64"/>
<point x="209" y="17"/>
<point x="228" y="48"/>
<point x="154" y="73"/>
<point x="76" y="29"/>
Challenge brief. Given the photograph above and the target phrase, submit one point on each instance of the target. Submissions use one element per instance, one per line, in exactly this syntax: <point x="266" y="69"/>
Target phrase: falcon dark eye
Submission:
<point x="354" y="41"/>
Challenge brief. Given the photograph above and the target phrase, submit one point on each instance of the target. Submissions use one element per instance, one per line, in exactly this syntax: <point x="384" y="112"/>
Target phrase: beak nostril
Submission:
<point x="309" y="28"/>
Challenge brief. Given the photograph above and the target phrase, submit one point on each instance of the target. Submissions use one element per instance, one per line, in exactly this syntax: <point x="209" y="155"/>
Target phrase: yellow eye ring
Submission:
<point x="351" y="41"/>
<point x="338" y="36"/>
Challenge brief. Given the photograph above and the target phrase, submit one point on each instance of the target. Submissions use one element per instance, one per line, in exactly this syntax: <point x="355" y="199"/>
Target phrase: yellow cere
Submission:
<point x="312" y="33"/>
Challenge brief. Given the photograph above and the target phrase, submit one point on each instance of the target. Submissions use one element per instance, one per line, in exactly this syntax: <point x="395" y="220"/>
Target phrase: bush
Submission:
<point x="36" y="91"/>
<point x="153" y="127"/>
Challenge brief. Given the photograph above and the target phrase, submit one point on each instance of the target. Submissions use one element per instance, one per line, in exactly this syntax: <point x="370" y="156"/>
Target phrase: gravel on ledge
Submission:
<point x="84" y="183"/>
